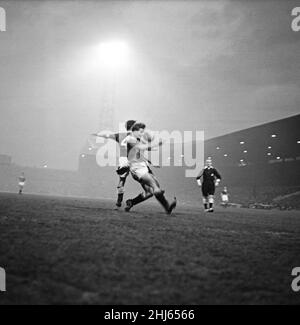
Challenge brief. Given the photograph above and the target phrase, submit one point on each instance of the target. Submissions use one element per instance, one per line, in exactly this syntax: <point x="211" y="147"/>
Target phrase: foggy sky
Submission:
<point x="217" y="66"/>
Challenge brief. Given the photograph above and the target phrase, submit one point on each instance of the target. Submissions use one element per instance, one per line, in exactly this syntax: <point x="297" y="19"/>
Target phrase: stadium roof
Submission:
<point x="271" y="142"/>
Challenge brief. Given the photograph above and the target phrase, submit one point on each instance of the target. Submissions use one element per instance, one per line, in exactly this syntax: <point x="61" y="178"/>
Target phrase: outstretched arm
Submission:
<point x="105" y="135"/>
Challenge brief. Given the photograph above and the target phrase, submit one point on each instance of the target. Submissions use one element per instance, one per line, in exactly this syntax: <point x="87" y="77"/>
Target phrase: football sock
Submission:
<point x="120" y="198"/>
<point x="141" y="198"/>
<point x="162" y="200"/>
<point x="138" y="199"/>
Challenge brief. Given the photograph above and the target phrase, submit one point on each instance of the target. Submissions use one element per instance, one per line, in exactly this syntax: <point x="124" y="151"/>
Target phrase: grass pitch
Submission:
<point x="80" y="251"/>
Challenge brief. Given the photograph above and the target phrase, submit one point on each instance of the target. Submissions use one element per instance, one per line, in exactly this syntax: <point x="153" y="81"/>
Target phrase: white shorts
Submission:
<point x="21" y="184"/>
<point x="123" y="167"/>
<point x="139" y="169"/>
<point x="123" y="162"/>
<point x="225" y="198"/>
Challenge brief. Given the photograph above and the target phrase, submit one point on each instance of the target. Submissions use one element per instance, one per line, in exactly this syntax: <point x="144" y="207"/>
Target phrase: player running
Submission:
<point x="21" y="183"/>
<point x="225" y="197"/>
<point x="123" y="166"/>
<point x="141" y="172"/>
<point x="211" y="179"/>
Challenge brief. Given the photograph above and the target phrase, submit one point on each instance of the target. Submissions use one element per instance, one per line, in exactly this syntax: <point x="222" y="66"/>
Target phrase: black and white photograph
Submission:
<point x="150" y="155"/>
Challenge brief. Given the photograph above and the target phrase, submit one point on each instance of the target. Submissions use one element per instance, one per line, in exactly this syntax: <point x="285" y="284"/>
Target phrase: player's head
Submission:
<point x="209" y="162"/>
<point x="129" y="124"/>
<point x="138" y="129"/>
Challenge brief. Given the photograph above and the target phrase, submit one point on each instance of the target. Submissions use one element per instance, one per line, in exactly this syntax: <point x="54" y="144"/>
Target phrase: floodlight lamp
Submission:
<point x="113" y="54"/>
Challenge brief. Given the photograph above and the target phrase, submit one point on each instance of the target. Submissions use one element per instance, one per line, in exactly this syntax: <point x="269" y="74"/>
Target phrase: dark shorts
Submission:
<point x="123" y="171"/>
<point x="208" y="188"/>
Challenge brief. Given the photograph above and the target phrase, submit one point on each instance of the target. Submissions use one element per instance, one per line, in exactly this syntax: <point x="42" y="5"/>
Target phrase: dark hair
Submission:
<point x="129" y="124"/>
<point x="138" y="126"/>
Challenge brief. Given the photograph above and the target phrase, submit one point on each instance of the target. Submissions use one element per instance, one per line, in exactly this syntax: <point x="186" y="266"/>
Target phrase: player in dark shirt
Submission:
<point x="123" y="166"/>
<point x="210" y="179"/>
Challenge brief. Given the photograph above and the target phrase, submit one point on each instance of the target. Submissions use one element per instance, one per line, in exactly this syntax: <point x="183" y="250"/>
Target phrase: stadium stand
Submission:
<point x="259" y="165"/>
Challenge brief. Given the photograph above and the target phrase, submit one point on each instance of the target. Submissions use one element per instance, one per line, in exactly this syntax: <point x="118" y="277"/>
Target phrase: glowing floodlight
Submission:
<point x="113" y="54"/>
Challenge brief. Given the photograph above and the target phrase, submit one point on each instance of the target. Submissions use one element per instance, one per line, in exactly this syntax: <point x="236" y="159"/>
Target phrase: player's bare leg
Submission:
<point x="120" y="191"/>
<point x="140" y="198"/>
<point x="152" y="182"/>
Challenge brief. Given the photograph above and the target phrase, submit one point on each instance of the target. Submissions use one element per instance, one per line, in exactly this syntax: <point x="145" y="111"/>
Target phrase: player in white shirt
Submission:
<point x="21" y="182"/>
<point x="225" y="197"/>
<point x="141" y="172"/>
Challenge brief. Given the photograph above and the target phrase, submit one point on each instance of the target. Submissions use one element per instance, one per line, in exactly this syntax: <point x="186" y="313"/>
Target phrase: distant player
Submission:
<point x="224" y="197"/>
<point x="211" y="179"/>
<point x="123" y="166"/>
<point x="21" y="183"/>
<point x="141" y="172"/>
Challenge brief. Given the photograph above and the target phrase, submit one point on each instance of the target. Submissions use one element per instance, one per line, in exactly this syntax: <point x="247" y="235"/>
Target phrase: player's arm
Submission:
<point x="148" y="146"/>
<point x="147" y="138"/>
<point x="218" y="177"/>
<point x="106" y="135"/>
<point x="198" y="178"/>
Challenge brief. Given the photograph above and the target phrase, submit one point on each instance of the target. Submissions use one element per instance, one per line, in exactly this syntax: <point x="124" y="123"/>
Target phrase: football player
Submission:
<point x="211" y="179"/>
<point x="141" y="172"/>
<point x="21" y="183"/>
<point x="123" y="166"/>
<point x="224" y="197"/>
